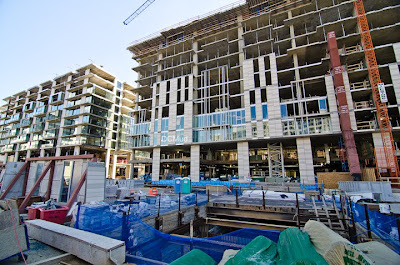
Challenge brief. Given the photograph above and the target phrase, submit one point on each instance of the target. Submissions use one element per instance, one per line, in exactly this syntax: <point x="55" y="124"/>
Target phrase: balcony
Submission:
<point x="140" y="129"/>
<point x="48" y="144"/>
<point x="22" y="138"/>
<point x="57" y="98"/>
<point x="7" y="148"/>
<point x="40" y="111"/>
<point x="29" y="107"/>
<point x="50" y="134"/>
<point x="96" y="90"/>
<point x="53" y="115"/>
<point x="37" y="127"/>
<point x="14" y="118"/>
<point x="24" y="147"/>
<point x="26" y="122"/>
<point x="34" y="145"/>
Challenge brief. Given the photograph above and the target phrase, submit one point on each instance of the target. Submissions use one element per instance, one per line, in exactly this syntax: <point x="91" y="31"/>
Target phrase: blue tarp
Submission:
<point x="144" y="242"/>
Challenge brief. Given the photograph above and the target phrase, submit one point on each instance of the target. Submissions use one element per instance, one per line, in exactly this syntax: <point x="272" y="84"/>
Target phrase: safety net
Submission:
<point x="145" y="244"/>
<point x="382" y="225"/>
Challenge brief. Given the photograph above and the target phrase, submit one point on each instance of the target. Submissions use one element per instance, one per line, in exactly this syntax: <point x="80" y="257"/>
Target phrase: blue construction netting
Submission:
<point x="146" y="245"/>
<point x="208" y="182"/>
<point x="383" y="225"/>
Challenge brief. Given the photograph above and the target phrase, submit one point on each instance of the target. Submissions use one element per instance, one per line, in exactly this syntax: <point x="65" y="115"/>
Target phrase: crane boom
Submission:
<point x="138" y="11"/>
<point x="386" y="157"/>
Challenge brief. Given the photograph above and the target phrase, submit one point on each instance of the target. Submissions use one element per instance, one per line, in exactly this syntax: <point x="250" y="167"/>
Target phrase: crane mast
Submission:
<point x="386" y="158"/>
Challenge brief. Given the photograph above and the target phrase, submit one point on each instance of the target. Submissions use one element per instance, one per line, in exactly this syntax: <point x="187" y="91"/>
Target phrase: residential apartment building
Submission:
<point x="81" y="112"/>
<point x="248" y="91"/>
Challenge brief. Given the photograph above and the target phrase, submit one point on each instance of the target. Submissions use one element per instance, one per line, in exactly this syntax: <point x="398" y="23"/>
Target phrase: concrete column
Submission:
<point x="28" y="153"/>
<point x="114" y="165"/>
<point x="77" y="150"/>
<point x="396" y="48"/>
<point x="395" y="75"/>
<point x="349" y="101"/>
<point x="42" y="152"/>
<point x="243" y="159"/>
<point x="155" y="175"/>
<point x="327" y="155"/>
<point x="107" y="162"/>
<point x="305" y="157"/>
<point x="172" y="124"/>
<point x="330" y="93"/>
<point x="58" y="151"/>
<point x="188" y="122"/>
<point x="378" y="144"/>
<point x="195" y="163"/>
<point x="248" y="83"/>
<point x="274" y="107"/>
<point x="132" y="165"/>
<point x="16" y="156"/>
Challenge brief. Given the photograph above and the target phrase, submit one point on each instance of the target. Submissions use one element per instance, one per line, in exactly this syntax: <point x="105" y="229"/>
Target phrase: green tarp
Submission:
<point x="295" y="248"/>
<point x="260" y="250"/>
<point x="195" y="256"/>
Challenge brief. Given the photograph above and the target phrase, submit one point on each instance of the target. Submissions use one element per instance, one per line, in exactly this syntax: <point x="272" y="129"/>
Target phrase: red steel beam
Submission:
<point x="15" y="179"/>
<point x="35" y="186"/>
<point x="76" y="190"/>
<point x="60" y="157"/>
<point x="341" y="99"/>
<point x="50" y="183"/>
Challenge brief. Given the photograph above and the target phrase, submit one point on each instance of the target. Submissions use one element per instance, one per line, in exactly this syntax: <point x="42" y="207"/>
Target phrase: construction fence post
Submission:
<point x="368" y="222"/>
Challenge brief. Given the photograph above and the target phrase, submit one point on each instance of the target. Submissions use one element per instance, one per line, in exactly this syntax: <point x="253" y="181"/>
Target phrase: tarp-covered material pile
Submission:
<point x="293" y="247"/>
<point x="338" y="251"/>
<point x="317" y="245"/>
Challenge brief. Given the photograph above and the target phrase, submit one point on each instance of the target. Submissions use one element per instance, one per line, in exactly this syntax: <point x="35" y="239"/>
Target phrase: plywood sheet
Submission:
<point x="368" y="174"/>
<point x="331" y="179"/>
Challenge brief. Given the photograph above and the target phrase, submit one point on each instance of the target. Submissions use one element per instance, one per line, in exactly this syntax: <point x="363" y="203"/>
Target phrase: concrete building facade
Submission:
<point x="81" y="112"/>
<point x="248" y="90"/>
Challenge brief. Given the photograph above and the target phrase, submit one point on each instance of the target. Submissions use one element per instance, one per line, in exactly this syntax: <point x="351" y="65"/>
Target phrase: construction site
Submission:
<point x="264" y="132"/>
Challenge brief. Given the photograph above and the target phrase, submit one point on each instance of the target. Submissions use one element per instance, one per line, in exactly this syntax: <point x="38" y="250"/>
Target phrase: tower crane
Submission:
<point x="386" y="157"/>
<point x="138" y="11"/>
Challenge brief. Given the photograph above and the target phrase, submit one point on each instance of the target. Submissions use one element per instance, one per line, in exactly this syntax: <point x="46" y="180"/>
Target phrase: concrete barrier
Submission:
<point x="90" y="247"/>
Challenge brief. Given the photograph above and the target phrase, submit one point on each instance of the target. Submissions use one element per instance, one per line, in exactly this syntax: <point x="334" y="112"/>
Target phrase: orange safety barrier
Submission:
<point x="153" y="191"/>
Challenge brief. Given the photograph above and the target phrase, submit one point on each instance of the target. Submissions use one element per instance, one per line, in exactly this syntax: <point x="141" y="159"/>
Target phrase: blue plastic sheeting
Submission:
<point x="146" y="207"/>
<point x="312" y="187"/>
<point x="210" y="182"/>
<point x="384" y="226"/>
<point x="145" y="243"/>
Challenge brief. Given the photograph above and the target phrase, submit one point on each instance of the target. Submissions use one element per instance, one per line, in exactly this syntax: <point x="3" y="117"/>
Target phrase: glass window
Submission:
<point x="180" y="137"/>
<point x="164" y="124"/>
<point x="284" y="111"/>
<point x="322" y="106"/>
<point x="67" y="181"/>
<point x="265" y="111"/>
<point x="254" y="129"/>
<point x="164" y="138"/>
<point x="156" y="125"/>
<point x="253" y="113"/>
<point x="179" y="122"/>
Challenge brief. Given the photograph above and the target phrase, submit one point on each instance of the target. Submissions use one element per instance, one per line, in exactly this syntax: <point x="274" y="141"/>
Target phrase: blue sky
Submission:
<point x="42" y="39"/>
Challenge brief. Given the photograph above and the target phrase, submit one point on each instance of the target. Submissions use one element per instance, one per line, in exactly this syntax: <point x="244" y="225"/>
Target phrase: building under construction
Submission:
<point x="272" y="90"/>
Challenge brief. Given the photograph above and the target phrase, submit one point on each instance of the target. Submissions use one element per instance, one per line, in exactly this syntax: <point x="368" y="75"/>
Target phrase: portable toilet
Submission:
<point x="178" y="185"/>
<point x="186" y="185"/>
